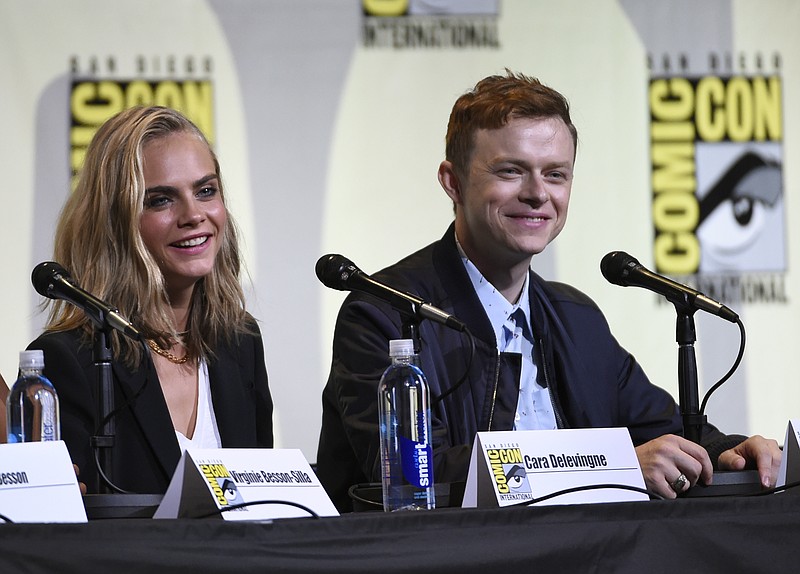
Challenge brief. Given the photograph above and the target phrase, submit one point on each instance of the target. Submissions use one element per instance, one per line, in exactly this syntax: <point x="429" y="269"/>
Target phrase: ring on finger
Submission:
<point x="679" y="483"/>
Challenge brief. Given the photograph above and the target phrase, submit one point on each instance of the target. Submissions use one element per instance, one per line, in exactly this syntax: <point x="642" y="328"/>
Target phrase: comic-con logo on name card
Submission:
<point x="221" y="482"/>
<point x="508" y="473"/>
<point x="716" y="151"/>
<point x="426" y="24"/>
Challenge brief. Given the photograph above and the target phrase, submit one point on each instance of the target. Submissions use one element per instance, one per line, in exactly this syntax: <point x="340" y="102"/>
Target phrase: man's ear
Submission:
<point x="450" y="182"/>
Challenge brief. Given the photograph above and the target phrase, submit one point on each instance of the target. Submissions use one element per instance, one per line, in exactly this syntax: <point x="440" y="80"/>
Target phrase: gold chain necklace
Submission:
<point x="166" y="354"/>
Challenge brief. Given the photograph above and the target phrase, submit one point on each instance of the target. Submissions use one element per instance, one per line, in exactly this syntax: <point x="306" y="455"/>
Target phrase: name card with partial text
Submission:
<point x="512" y="467"/>
<point x="38" y="483"/>
<point x="270" y="483"/>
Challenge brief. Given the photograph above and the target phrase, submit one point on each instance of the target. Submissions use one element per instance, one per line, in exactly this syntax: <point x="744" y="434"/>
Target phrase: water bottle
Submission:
<point x="406" y="452"/>
<point x="32" y="405"/>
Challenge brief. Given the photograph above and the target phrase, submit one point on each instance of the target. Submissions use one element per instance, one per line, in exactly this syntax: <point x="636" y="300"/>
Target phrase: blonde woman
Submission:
<point x="147" y="230"/>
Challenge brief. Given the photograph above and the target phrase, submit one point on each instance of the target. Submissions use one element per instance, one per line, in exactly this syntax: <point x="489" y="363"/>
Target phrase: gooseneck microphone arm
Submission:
<point x="622" y="269"/>
<point x="51" y="280"/>
<point x="338" y="272"/>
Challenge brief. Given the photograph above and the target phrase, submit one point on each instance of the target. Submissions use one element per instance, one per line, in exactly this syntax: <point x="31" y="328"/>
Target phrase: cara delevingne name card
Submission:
<point x="512" y="467"/>
<point x="254" y="483"/>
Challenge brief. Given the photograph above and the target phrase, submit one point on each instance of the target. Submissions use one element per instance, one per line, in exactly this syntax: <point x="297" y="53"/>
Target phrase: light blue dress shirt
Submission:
<point x="512" y="327"/>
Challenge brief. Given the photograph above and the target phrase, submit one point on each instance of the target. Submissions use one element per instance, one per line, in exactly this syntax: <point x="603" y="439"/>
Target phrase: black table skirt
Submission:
<point x="737" y="534"/>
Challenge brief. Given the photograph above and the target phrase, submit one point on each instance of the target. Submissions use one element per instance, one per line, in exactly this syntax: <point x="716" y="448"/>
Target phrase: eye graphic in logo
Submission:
<point x="229" y="489"/>
<point x="740" y="224"/>
<point x="516" y="478"/>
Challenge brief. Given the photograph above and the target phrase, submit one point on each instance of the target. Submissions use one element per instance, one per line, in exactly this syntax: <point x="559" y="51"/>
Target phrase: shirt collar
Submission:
<point x="496" y="306"/>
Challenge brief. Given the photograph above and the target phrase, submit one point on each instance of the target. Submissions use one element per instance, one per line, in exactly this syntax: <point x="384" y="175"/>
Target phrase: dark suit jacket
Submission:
<point x="145" y="452"/>
<point x="592" y="380"/>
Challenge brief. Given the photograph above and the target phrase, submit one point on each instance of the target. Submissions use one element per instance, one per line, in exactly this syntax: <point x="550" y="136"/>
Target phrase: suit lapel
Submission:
<point x="567" y="361"/>
<point x="232" y="399"/>
<point x="150" y="413"/>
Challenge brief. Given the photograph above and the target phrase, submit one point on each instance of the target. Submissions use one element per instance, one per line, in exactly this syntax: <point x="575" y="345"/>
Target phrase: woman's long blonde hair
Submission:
<point x="98" y="241"/>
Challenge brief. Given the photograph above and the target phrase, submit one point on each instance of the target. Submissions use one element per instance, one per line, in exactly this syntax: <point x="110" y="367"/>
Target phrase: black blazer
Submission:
<point x="146" y="452"/>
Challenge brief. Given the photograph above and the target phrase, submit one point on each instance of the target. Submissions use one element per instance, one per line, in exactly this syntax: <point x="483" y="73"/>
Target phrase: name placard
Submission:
<point x="512" y="467"/>
<point x="790" y="461"/>
<point x="254" y="483"/>
<point x="38" y="483"/>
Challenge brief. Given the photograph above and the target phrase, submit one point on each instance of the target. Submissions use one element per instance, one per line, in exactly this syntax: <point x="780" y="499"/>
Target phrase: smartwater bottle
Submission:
<point x="32" y="405"/>
<point x="406" y="452"/>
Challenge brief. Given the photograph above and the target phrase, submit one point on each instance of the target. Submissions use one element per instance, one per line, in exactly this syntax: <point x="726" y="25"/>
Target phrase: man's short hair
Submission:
<point x="491" y="103"/>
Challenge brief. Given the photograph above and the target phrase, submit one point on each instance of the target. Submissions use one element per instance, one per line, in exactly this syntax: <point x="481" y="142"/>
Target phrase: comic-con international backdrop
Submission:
<point x="329" y="118"/>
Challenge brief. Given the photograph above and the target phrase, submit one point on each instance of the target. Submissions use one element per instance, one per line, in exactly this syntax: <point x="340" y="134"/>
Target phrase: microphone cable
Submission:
<point x="557" y="493"/>
<point x="730" y="372"/>
<point x="233" y="507"/>
<point x="650" y="493"/>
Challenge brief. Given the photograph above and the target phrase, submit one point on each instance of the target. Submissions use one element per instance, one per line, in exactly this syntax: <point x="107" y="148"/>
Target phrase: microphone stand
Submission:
<point x="725" y="483"/>
<point x="104" y="441"/>
<point x="689" y="401"/>
<point x="107" y="503"/>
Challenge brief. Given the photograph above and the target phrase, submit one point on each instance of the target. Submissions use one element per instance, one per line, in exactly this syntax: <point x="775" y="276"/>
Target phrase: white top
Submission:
<point x="206" y="432"/>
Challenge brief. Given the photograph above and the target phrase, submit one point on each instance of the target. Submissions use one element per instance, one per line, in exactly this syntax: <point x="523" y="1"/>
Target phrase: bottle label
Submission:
<point x="417" y="459"/>
<point x="48" y="431"/>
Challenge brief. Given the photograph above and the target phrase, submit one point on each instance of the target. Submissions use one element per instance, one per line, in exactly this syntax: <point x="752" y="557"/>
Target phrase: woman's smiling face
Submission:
<point x="184" y="217"/>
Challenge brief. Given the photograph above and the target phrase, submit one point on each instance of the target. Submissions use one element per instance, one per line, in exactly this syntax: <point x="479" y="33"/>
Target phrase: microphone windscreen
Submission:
<point x="616" y="265"/>
<point x="44" y="274"/>
<point x="334" y="271"/>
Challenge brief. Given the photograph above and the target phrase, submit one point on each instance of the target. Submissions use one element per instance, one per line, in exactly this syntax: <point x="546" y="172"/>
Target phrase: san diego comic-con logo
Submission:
<point x="423" y="24"/>
<point x="101" y="87"/>
<point x="716" y="150"/>
<point x="221" y="482"/>
<point x="508" y="471"/>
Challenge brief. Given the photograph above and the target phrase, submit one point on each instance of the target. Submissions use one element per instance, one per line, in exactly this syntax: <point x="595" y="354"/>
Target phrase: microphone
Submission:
<point x="51" y="280"/>
<point x="622" y="269"/>
<point x="338" y="272"/>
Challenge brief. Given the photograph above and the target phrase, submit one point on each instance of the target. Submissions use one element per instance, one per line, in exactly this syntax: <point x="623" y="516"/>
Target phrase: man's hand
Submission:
<point x="667" y="458"/>
<point x="756" y="452"/>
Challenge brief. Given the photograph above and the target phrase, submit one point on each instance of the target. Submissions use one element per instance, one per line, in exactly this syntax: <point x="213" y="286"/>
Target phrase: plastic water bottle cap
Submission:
<point x="401" y="348"/>
<point x="31" y="359"/>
